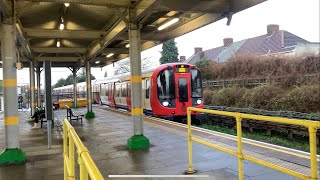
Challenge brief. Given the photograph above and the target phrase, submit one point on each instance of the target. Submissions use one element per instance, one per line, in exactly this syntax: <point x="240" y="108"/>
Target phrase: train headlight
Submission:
<point x="199" y="101"/>
<point x="165" y="103"/>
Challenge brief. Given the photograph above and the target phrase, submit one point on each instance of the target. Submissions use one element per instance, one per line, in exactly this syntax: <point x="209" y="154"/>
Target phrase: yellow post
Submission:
<point x="313" y="152"/>
<point x="240" y="155"/>
<point x="65" y="150"/>
<point x="190" y="170"/>
<point x="83" y="169"/>
<point x="71" y="157"/>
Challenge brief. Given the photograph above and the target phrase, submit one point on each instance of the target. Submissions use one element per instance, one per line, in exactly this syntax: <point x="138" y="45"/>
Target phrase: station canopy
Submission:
<point x="72" y="32"/>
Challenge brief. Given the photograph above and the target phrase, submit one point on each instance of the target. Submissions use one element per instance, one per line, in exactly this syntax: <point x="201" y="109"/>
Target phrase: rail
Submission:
<point x="86" y="164"/>
<point x="311" y="125"/>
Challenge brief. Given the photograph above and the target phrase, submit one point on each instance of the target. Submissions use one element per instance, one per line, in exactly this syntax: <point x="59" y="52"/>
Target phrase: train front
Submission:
<point x="175" y="87"/>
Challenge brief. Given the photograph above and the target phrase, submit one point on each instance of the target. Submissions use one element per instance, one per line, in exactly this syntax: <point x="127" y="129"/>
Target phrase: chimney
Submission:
<point x="197" y="50"/>
<point x="182" y="58"/>
<point x="227" y="42"/>
<point x="271" y="28"/>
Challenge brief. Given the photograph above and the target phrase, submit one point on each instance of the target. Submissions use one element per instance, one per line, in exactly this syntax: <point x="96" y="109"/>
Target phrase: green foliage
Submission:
<point x="262" y="97"/>
<point x="228" y="96"/>
<point x="204" y="66"/>
<point x="81" y="77"/>
<point x="169" y="52"/>
<point x="302" y="99"/>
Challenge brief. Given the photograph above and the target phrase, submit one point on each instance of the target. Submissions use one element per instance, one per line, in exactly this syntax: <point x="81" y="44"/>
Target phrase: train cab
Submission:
<point x="175" y="87"/>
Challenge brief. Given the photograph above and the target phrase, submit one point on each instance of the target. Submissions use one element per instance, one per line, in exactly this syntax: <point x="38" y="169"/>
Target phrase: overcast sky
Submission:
<point x="300" y="17"/>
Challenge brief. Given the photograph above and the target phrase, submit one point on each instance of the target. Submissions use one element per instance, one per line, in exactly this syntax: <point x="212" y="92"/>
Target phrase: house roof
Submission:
<point x="280" y="41"/>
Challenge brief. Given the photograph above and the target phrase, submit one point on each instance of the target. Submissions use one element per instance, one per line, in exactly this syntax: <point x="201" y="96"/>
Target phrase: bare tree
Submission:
<point x="124" y="65"/>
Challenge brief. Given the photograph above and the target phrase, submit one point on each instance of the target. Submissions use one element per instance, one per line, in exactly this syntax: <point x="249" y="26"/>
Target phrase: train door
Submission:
<point x="117" y="93"/>
<point x="183" y="91"/>
<point x="123" y="95"/>
<point x="111" y="95"/>
<point x="146" y="96"/>
<point x="129" y="95"/>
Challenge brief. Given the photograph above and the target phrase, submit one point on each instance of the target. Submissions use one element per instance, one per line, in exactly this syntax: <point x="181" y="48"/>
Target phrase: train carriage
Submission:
<point x="166" y="90"/>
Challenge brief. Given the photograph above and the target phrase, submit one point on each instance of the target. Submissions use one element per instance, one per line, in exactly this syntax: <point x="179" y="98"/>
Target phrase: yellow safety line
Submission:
<point x="136" y="111"/>
<point x="11" y="120"/>
<point x="9" y="83"/>
<point x="136" y="79"/>
<point x="234" y="139"/>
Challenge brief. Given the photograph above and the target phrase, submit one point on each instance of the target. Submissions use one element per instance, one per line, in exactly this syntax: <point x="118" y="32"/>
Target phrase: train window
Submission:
<point x="196" y="84"/>
<point x="165" y="83"/>
<point x="118" y="88"/>
<point x="147" y="88"/>
<point x="111" y="86"/>
<point x="129" y="90"/>
<point x="183" y="90"/>
<point x="124" y="90"/>
<point x="106" y="87"/>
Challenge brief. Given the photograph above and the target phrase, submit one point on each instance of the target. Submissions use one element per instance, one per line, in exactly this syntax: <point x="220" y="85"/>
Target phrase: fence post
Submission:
<point x="313" y="152"/>
<point x="190" y="170"/>
<point x="240" y="155"/>
<point x="71" y="156"/>
<point x="65" y="150"/>
<point x="83" y="170"/>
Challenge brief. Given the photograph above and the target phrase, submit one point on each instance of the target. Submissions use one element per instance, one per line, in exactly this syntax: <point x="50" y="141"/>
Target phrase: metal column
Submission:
<point x="48" y="98"/>
<point x="90" y="113"/>
<point x="138" y="141"/>
<point x="39" y="87"/>
<point x="74" y="72"/>
<point x="13" y="153"/>
<point x="32" y="88"/>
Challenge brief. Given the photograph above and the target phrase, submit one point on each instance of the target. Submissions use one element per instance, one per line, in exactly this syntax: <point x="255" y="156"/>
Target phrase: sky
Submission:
<point x="300" y="17"/>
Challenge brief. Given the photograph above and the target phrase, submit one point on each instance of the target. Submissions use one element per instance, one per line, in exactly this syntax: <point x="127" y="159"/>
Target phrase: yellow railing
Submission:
<point x="311" y="125"/>
<point x="86" y="164"/>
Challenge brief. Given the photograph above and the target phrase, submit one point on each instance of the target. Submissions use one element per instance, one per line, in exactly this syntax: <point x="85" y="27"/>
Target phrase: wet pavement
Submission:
<point x="106" y="136"/>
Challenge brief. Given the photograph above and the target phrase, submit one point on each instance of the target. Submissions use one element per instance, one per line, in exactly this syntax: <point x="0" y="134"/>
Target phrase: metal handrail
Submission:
<point x="86" y="164"/>
<point x="311" y="125"/>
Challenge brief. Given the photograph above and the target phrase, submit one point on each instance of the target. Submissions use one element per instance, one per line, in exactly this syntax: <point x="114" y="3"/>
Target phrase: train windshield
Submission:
<point x="165" y="82"/>
<point x="196" y="83"/>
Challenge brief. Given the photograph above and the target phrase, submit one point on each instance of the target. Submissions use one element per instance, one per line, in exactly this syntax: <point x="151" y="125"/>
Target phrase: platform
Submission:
<point x="106" y="137"/>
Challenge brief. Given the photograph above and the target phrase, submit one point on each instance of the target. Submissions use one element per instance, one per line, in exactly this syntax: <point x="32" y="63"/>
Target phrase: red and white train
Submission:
<point x="167" y="90"/>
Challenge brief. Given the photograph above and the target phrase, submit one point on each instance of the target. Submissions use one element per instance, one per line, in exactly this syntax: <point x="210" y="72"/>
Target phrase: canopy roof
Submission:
<point x="96" y="28"/>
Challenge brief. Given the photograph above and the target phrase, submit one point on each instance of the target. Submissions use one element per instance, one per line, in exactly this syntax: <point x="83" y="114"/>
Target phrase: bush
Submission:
<point x="229" y="96"/>
<point x="302" y="99"/>
<point x="262" y="97"/>
<point x="259" y="66"/>
<point x="207" y="96"/>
